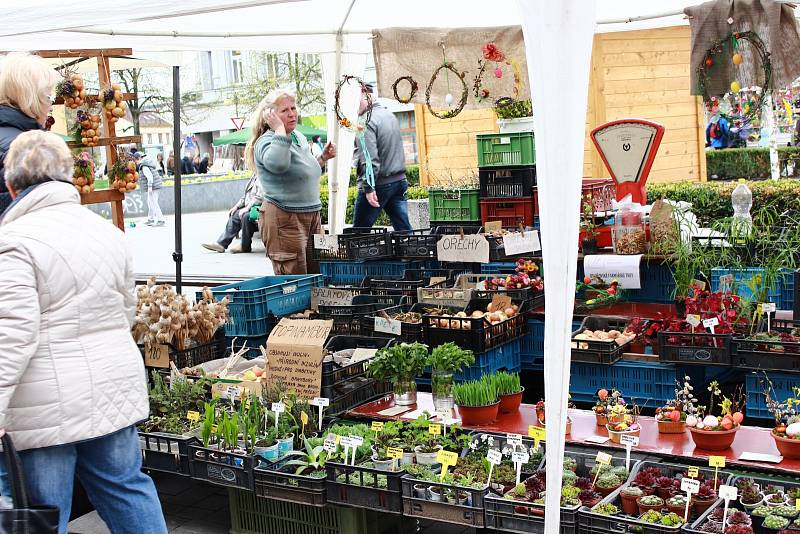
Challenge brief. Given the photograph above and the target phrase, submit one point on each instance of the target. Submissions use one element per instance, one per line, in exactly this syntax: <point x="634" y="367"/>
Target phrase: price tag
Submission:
<point x="730" y="493"/>
<point x="394" y="452"/>
<point x="193" y="417"/>
<point x="345" y="441"/>
<point x="693" y="472"/>
<point x="514" y="439"/>
<point x="716" y="461"/>
<point x="156" y="355"/>
<point x="326" y="242"/>
<point x="278" y="407"/>
<point x="536" y="432"/>
<point x="603" y="458"/>
<point x="435" y="429"/>
<point x="797" y="504"/>
<point x="233" y="392"/>
<point x="317" y="401"/>
<point x="633" y="441"/>
<point x="494" y="456"/>
<point x="388" y="326"/>
<point x="520" y="457"/>
<point x="698" y="285"/>
<point x="288" y="290"/>
<point x="330" y="443"/>
<point x="769" y="307"/>
<point x="710" y="323"/>
<point x="304" y="418"/>
<point x="356" y="440"/>
<point x="377" y="426"/>
<point x="213" y="429"/>
<point x="446" y="458"/>
<point x="693" y="320"/>
<point x="493" y="226"/>
<point x="521" y="242"/>
<point x="501" y="302"/>
<point x="690" y="485"/>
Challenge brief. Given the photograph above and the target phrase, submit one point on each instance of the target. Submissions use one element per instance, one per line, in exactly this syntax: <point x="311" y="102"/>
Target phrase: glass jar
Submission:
<point x="442" y="390"/>
<point x="405" y="391"/>
<point x="630" y="235"/>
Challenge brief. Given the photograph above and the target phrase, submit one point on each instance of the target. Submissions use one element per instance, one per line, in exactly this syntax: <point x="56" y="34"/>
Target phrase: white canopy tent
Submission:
<point x="557" y="34"/>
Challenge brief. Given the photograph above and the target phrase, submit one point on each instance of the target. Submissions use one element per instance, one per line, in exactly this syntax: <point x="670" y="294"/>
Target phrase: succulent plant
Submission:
<point x="761" y="511"/>
<point x="608" y="480"/>
<point x="740" y="518"/>
<point x="570" y="492"/>
<point x="750" y="495"/>
<point x="588" y="496"/>
<point x="620" y="471"/>
<point x="651" y="516"/>
<point x="519" y="490"/>
<point x="652" y="500"/>
<point x="706" y="492"/>
<point x="739" y="529"/>
<point x="570" y="463"/>
<point x="713" y="527"/>
<point x="677" y="500"/>
<point x="786" y="511"/>
<point x="568" y="478"/>
<point x="632" y="491"/>
<point x="775" y="522"/>
<point x="717" y="514"/>
<point x="605" y="508"/>
<point x="671" y="520"/>
<point x="776" y="498"/>
<point x="584" y="483"/>
<point x="664" y="482"/>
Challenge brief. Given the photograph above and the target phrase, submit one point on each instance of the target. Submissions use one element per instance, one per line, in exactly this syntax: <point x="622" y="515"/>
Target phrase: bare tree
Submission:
<point x="148" y="97"/>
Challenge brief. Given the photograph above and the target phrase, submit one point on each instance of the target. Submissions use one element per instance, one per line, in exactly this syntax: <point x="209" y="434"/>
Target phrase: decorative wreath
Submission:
<point x="731" y="41"/>
<point x="343" y="121"/>
<point x="492" y="53"/>
<point x="413" y="89"/>
<point x="450" y="113"/>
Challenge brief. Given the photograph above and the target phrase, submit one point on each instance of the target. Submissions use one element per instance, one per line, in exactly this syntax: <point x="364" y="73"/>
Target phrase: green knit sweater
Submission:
<point x="289" y="173"/>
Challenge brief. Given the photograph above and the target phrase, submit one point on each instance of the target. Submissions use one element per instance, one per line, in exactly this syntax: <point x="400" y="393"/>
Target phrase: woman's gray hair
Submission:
<point x="36" y="157"/>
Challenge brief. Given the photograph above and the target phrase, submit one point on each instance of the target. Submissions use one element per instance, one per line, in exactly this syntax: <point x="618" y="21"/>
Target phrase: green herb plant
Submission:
<point x="400" y="364"/>
<point x="481" y="392"/>
<point x="506" y="383"/>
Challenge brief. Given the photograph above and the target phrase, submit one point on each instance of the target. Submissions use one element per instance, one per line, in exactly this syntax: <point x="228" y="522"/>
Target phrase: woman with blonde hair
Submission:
<point x="289" y="174"/>
<point x="26" y="89"/>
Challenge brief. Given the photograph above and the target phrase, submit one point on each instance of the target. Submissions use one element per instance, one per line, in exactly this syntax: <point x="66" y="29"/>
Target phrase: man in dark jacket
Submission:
<point x="202" y="168"/>
<point x="12" y="123"/>
<point x="187" y="167"/>
<point x="384" y="144"/>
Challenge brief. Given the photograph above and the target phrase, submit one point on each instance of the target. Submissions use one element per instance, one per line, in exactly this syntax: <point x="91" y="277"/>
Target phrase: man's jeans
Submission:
<point x="109" y="468"/>
<point x="392" y="200"/>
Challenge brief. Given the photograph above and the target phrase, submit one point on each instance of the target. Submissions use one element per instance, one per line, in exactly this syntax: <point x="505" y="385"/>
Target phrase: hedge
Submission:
<point x="414" y="193"/>
<point x="750" y="163"/>
<point x="712" y="200"/>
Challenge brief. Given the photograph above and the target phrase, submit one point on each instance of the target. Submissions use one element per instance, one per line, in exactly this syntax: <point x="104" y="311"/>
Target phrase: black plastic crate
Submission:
<point x="462" y="513"/>
<point x="507" y="182"/>
<point x="222" y="468"/>
<point x="364" y="487"/>
<point x="333" y="374"/>
<point x="347" y="319"/>
<point x="590" y="521"/>
<point x="164" y="452"/>
<point x="497" y="250"/>
<point x="356" y="243"/>
<point x="768" y="355"/>
<point x="701" y="349"/>
<point x="475" y="334"/>
<point x="354" y="392"/>
<point x="605" y="352"/>
<point x="213" y="350"/>
<point x="452" y="228"/>
<point x="282" y="484"/>
<point x="415" y="244"/>
<point x="407" y="286"/>
<point x="409" y="332"/>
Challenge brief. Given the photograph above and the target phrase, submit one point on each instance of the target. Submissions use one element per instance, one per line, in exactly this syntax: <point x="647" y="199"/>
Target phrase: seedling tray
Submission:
<point x="605" y="352"/>
<point x="696" y="349"/>
<point x="332" y="374"/>
<point x="280" y="482"/>
<point x="221" y="468"/>
<point x="346" y="396"/>
<point x="469" y="513"/>
<point x="409" y="332"/>
<point x="168" y="453"/>
<point x="768" y="355"/>
<point x="475" y="334"/>
<point x="364" y="487"/>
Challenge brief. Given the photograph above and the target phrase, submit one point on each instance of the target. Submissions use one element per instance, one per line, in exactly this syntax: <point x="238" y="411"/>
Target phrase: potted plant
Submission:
<point x="445" y="360"/>
<point x="775" y="522"/>
<point x="628" y="497"/>
<point x="761" y="511"/>
<point x="605" y="508"/>
<point x="704" y="498"/>
<point x="514" y="117"/>
<point x="588" y="227"/>
<point x="672" y="418"/>
<point x="665" y="487"/>
<point x="602" y="405"/>
<point x="775" y="499"/>
<point x="750" y="498"/>
<point x="311" y="461"/>
<point x="738" y="529"/>
<point x="714" y="433"/>
<point x="677" y="504"/>
<point x="477" y="401"/>
<point x="589" y="498"/>
<point x="623" y="422"/>
<point x="509" y="390"/>
<point x="671" y="519"/>
<point x="740" y="518"/>
<point x="651" y="516"/>
<point x="650" y="502"/>
<point x="786" y="432"/>
<point x="607" y="483"/>
<point x="646" y="479"/>
<point x="401" y="364"/>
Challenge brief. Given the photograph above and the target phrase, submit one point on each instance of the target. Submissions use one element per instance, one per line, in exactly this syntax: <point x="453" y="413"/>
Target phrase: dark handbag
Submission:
<point x="23" y="518"/>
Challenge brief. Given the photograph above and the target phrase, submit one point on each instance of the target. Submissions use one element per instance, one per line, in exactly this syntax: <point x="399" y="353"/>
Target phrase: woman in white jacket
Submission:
<point x="72" y="381"/>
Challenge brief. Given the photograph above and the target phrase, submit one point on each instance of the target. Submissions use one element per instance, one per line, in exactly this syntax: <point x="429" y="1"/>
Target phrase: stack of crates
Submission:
<point x="507" y="174"/>
<point x="453" y="207"/>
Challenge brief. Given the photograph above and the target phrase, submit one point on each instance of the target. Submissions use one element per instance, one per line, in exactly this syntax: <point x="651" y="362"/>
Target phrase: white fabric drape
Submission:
<point x="558" y="43"/>
<point x="339" y="167"/>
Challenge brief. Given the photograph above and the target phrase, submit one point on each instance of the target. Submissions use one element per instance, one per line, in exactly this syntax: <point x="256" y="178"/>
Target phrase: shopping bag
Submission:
<point x="23" y="517"/>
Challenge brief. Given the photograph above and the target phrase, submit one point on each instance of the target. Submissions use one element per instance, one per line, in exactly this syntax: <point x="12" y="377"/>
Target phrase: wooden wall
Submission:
<point x="641" y="74"/>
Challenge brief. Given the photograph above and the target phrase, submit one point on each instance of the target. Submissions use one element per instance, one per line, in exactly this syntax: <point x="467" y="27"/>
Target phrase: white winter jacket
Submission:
<point x="69" y="368"/>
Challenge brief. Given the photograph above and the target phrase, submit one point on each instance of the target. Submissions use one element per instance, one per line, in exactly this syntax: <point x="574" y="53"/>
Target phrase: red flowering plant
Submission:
<point x="707" y="305"/>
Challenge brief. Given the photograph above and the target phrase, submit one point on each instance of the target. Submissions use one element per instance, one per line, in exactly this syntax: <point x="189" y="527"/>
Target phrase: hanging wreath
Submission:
<point x="712" y="55"/>
<point x="448" y="100"/>
<point x="413" y="87"/>
<point x="343" y="121"/>
<point x="491" y="53"/>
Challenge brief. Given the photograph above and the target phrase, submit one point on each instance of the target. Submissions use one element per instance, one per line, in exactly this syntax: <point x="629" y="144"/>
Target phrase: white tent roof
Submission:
<point x="289" y="25"/>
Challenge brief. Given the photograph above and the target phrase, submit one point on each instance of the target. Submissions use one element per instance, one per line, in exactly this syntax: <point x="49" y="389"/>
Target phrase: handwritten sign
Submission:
<point x="326" y="242"/>
<point x="698" y="285"/>
<point x="693" y="319"/>
<point x="690" y="485"/>
<point x="493" y="226"/>
<point x="726" y="283"/>
<point x="395" y="453"/>
<point x="520" y="457"/>
<point x="447" y="459"/>
<point x="294" y="355"/>
<point x="494" y="456"/>
<point x="500" y="302"/>
<point x="329" y="445"/>
<point x="327" y="296"/>
<point x="321" y="401"/>
<point x="716" y="461"/>
<point x="632" y="441"/>
<point x="537" y="433"/>
<point x="388" y="326"/>
<point x="623" y="269"/>
<point x="710" y="323"/>
<point x="521" y="242"/>
<point x="769" y="307"/>
<point x="693" y="472"/>
<point x="278" y="407"/>
<point x="156" y="355"/>
<point x="514" y="439"/>
<point x="377" y="426"/>
<point x="468" y="249"/>
<point x="603" y="458"/>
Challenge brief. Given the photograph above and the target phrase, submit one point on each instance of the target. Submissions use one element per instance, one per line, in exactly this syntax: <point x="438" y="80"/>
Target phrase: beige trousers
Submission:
<point x="285" y="235"/>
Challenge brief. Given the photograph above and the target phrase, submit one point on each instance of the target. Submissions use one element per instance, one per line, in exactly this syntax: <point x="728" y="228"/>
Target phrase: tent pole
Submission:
<point x="177" y="256"/>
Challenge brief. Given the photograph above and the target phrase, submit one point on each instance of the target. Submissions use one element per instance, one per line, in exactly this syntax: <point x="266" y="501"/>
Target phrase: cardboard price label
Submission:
<point x="193" y="417"/>
<point x="493" y="226"/>
<point x="693" y="472"/>
<point x="377" y="426"/>
<point x="466" y="249"/>
<point x="729" y="493"/>
<point x="693" y="320"/>
<point x="327" y="296"/>
<point x="494" y="456"/>
<point x="690" y="485"/>
<point x="446" y="458"/>
<point x="716" y="461"/>
<point x="699" y="285"/>
<point x="395" y="453"/>
<point x="435" y="429"/>
<point x="501" y="302"/>
<point x="603" y="458"/>
<point x="326" y="242"/>
<point x="388" y="326"/>
<point x="632" y="441"/>
<point x="710" y="323"/>
<point x="156" y="355"/>
<point x="521" y="242"/>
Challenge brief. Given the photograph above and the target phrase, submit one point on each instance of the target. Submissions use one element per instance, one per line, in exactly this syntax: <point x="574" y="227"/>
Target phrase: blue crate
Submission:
<point x="502" y="267"/>
<point x="783" y="300"/>
<point x="782" y="384"/>
<point x="253" y="301"/>
<point x="344" y="273"/>
<point x="505" y="357"/>
<point x="532" y="351"/>
<point x="649" y="384"/>
<point x="658" y="284"/>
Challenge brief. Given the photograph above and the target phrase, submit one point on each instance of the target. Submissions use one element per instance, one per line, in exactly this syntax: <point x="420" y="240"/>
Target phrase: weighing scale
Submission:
<point x="628" y="148"/>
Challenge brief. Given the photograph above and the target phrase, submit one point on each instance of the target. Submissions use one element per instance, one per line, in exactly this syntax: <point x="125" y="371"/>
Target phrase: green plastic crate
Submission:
<point x="500" y="150"/>
<point x="454" y="205"/>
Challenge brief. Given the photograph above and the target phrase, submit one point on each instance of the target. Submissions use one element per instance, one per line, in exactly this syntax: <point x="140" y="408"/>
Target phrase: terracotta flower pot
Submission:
<point x="601" y="418"/>
<point x="713" y="440"/>
<point x="569" y="426"/>
<point x="701" y="505"/>
<point x="671" y="427"/>
<point x="605" y="492"/>
<point x="789" y="448"/>
<point x="629" y="505"/>
<point x="680" y="510"/>
<point x="615" y="436"/>
<point x="664" y="493"/>
<point x="643" y="508"/>
<point x="479" y="415"/>
<point x="510" y="403"/>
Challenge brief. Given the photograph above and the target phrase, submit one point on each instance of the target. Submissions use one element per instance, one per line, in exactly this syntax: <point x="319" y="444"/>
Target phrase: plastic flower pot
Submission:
<point x="382" y="465"/>
<point x="713" y="440"/>
<point x="615" y="436"/>
<point x="426" y="458"/>
<point x="644" y="508"/>
<point x="408" y="458"/>
<point x="270" y="453"/>
<point x="751" y="506"/>
<point x="680" y="510"/>
<point x="285" y="445"/>
<point x="629" y="505"/>
<point x="789" y="448"/>
<point x="479" y="415"/>
<point x="420" y="491"/>
<point x="434" y="493"/>
<point x="605" y="492"/>
<point x="510" y="403"/>
<point x="601" y="419"/>
<point x="671" y="427"/>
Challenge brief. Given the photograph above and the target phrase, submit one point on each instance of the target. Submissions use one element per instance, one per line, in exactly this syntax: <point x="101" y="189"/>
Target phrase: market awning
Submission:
<point x="241" y="137"/>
